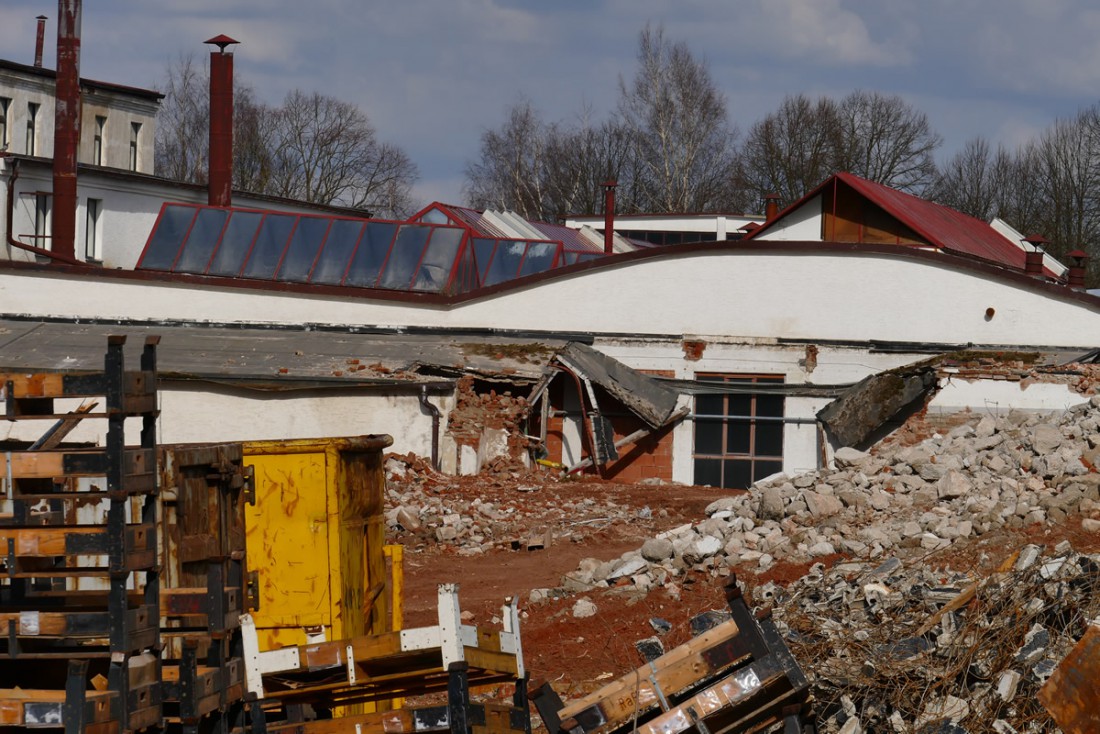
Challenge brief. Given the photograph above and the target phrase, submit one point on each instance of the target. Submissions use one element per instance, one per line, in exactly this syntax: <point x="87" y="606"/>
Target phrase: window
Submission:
<point x="42" y="221"/>
<point x="91" y="231"/>
<point x="135" y="133"/>
<point x="5" y="105"/>
<point x="738" y="435"/>
<point x="32" y="116"/>
<point x="97" y="141"/>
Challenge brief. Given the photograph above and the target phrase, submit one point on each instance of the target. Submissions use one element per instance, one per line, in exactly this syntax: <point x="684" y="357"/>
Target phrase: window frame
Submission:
<point x="97" y="139"/>
<point x="5" y="122"/>
<point x="32" y="128"/>
<point x="135" y="136"/>
<point x="726" y="457"/>
<point x="93" y="239"/>
<point x="43" y="209"/>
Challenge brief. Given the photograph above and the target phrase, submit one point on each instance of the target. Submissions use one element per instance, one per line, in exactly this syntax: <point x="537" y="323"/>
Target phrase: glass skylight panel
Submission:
<point x="404" y="256"/>
<point x="540" y="257"/>
<point x="202" y="241"/>
<point x="165" y="243"/>
<point x="236" y="241"/>
<point x="302" y="251"/>
<point x="439" y="259"/>
<point x="269" y="246"/>
<point x="342" y="238"/>
<point x="506" y="262"/>
<point x="483" y="255"/>
<point x="371" y="254"/>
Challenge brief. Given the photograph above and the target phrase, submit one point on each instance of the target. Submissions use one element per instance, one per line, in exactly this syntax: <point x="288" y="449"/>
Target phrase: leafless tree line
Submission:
<point x="672" y="148"/>
<point x="311" y="148"/>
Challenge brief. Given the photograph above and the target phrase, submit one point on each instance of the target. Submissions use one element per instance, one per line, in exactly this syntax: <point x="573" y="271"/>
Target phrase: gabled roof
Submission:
<point x="942" y="227"/>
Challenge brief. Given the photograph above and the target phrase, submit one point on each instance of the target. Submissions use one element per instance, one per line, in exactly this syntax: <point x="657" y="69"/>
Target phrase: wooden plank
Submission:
<point x="672" y="672"/>
<point x="34" y="384"/>
<point x="42" y="542"/>
<point x="498" y="662"/>
<point x="736" y="688"/>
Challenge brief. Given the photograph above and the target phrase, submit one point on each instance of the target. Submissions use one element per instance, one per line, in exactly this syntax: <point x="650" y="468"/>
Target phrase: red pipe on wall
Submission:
<point x="220" y="179"/>
<point x="66" y="128"/>
<point x="609" y="216"/>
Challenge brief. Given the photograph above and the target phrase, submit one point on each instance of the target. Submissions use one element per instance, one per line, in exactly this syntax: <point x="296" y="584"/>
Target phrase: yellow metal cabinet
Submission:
<point x="315" y="538"/>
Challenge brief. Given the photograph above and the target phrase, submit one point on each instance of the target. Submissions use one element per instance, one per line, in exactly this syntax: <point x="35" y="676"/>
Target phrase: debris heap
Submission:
<point x="896" y="648"/>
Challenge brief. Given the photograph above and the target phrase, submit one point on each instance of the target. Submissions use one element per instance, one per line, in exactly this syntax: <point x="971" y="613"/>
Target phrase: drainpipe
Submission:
<point x="220" y="178"/>
<point x="609" y="216"/>
<point x="39" y="41"/>
<point x="435" y="424"/>
<point x="14" y="163"/>
<point x="66" y="128"/>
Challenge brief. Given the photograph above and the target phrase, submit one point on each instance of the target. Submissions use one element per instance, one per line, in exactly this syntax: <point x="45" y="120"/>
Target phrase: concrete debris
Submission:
<point x="917" y="650"/>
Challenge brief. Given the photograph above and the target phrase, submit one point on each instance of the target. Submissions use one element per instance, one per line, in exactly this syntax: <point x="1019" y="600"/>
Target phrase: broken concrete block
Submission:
<point x="584" y="608"/>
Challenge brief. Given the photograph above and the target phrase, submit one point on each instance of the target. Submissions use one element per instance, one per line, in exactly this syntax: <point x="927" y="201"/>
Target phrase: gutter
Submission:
<point x="435" y="424"/>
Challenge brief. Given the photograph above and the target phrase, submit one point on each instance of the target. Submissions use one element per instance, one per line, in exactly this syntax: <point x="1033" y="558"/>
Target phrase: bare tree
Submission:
<point x="884" y="139"/>
<point x="313" y="148"/>
<point x="977" y="181"/>
<point x="509" y="173"/>
<point x="791" y="150"/>
<point x="683" y="140"/>
<point x="183" y="122"/>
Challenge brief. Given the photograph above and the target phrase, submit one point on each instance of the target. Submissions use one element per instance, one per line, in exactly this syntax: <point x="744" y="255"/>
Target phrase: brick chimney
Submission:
<point x="220" y="174"/>
<point x="1033" y="260"/>
<point x="609" y="215"/>
<point x="771" y="207"/>
<point x="1075" y="276"/>
<point x="66" y="130"/>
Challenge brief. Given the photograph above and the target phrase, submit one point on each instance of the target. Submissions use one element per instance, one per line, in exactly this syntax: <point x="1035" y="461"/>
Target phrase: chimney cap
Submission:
<point x="221" y="41"/>
<point x="40" y="17"/>
<point x="611" y="183"/>
<point x="1078" y="254"/>
<point x="1037" y="241"/>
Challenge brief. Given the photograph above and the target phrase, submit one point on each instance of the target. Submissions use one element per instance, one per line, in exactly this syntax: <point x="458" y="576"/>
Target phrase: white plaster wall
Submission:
<point x="813" y="296"/>
<point x="1000" y="396"/>
<point x="192" y="414"/>
<point x="802" y="225"/>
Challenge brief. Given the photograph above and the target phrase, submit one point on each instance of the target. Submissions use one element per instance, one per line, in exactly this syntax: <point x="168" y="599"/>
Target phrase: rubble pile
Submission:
<point x="428" y="507"/>
<point x="891" y="648"/>
<point x="984" y="476"/>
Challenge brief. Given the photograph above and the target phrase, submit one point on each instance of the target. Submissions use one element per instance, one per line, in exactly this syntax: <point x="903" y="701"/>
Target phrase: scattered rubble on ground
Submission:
<point x="890" y="643"/>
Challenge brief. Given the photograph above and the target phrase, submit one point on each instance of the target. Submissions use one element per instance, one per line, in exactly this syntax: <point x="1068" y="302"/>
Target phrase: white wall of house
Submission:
<point x="997" y="397"/>
<point x="120" y="109"/>
<point x="128" y="209"/>
<point x="725" y="293"/>
<point x="801" y="225"/>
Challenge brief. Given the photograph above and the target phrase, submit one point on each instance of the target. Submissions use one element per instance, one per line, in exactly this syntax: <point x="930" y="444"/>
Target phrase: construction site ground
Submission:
<point x="579" y="654"/>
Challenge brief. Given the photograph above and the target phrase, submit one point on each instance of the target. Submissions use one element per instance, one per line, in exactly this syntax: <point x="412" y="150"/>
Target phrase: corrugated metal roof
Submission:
<point x="942" y="226"/>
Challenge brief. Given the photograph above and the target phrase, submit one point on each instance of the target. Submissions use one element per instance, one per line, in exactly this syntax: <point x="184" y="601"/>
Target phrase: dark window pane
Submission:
<point x="738" y="437"/>
<point x="708" y="472"/>
<point x="406" y="253"/>
<point x="540" y="258"/>
<point x="236" y="240"/>
<point x="762" y="469"/>
<point x="302" y="251"/>
<point x="439" y="259"/>
<point x="769" y="439"/>
<point x="269" y="246"/>
<point x="708" y="437"/>
<point x="741" y="405"/>
<point x="165" y="243"/>
<point x="710" y="404"/>
<point x="483" y="253"/>
<point x="771" y="405"/>
<point x="342" y="238"/>
<point x="371" y="254"/>
<point x="738" y="474"/>
<point x="505" y="263"/>
<point x="202" y="241"/>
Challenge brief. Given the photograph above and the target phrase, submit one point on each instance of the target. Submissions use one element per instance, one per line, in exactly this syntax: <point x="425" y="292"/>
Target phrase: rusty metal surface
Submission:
<point x="1072" y="694"/>
<point x="66" y="128"/>
<point x="221" y="123"/>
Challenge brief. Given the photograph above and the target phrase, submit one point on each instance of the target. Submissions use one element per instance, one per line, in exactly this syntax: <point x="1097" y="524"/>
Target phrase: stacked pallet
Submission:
<point x="203" y="493"/>
<point x="79" y="592"/>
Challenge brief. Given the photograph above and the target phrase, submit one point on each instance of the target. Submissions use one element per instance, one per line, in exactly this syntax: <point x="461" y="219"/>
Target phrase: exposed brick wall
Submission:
<point x="649" y="458"/>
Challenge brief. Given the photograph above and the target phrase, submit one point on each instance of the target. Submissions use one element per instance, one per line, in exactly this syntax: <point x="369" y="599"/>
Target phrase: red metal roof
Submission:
<point x="943" y="227"/>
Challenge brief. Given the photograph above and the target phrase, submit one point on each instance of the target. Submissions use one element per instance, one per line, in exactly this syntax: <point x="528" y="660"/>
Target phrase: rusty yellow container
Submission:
<point x="315" y="539"/>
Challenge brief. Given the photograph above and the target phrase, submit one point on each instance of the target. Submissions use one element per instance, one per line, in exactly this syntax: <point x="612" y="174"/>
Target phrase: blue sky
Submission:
<point x="433" y="74"/>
